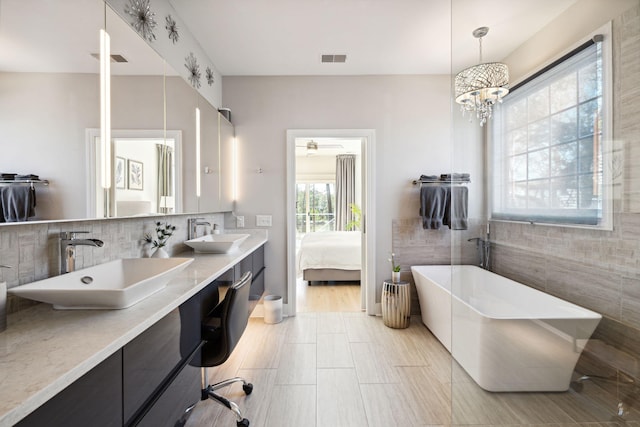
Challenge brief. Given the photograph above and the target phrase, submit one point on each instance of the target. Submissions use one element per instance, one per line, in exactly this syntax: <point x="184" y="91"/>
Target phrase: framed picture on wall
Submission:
<point x="120" y="172"/>
<point x="135" y="175"/>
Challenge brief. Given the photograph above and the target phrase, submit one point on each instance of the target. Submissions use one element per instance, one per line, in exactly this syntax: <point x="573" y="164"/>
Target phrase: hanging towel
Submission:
<point x="456" y="208"/>
<point x="433" y="202"/>
<point x="444" y="205"/>
<point x="17" y="203"/>
<point x="429" y="177"/>
<point x="27" y="176"/>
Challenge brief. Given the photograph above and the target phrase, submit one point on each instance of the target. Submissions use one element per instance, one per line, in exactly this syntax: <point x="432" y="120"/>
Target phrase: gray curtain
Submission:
<point x="345" y="189"/>
<point x="165" y="174"/>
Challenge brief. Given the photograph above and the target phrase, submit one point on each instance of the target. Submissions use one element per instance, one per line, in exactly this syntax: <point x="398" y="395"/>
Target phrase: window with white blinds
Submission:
<point x="547" y="150"/>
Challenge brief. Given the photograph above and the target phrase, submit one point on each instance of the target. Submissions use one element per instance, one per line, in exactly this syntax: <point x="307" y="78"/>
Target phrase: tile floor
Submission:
<point x="331" y="369"/>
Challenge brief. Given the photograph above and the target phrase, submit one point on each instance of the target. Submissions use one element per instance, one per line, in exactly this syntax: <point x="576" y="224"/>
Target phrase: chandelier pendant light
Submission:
<point x="480" y="87"/>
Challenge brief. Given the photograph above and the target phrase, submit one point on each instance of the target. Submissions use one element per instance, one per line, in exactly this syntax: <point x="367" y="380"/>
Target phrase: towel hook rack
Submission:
<point x="443" y="179"/>
<point x="31" y="182"/>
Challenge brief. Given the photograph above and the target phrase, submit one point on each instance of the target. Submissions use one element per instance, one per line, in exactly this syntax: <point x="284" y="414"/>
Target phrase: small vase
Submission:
<point x="160" y="253"/>
<point x="395" y="276"/>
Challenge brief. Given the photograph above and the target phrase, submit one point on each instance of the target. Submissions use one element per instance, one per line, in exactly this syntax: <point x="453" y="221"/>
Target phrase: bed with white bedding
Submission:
<point x="330" y="256"/>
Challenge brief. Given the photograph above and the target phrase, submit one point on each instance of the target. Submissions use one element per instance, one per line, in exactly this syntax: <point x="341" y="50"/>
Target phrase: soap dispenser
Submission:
<point x="3" y="303"/>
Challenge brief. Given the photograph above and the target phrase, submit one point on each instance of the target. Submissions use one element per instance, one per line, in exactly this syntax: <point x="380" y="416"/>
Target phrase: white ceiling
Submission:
<point x="287" y="37"/>
<point x="280" y="37"/>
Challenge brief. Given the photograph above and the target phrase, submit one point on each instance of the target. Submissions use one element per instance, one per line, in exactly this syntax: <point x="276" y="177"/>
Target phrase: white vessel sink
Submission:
<point x="113" y="285"/>
<point x="216" y="243"/>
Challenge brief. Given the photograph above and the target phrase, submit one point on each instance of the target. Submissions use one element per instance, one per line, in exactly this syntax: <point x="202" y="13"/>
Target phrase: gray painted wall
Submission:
<point x="410" y="115"/>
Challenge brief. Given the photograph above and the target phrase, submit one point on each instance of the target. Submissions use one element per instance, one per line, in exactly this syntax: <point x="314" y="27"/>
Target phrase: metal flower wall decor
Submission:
<point x="210" y="77"/>
<point x="172" y="29"/>
<point x="144" y="20"/>
<point x="192" y="66"/>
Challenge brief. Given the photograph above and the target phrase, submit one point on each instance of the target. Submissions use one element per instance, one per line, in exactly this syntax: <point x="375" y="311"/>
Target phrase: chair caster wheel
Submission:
<point x="243" y="423"/>
<point x="248" y="388"/>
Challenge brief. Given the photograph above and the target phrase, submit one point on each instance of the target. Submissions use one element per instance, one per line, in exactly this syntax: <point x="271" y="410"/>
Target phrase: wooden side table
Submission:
<point x="396" y="304"/>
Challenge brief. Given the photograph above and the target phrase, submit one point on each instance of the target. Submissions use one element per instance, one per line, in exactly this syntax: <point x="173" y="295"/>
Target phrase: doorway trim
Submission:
<point x="367" y="136"/>
<point x="92" y="139"/>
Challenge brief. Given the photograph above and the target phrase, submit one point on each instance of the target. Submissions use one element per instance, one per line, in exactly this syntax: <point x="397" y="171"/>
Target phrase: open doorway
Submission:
<point x="327" y="203"/>
<point x="328" y="224"/>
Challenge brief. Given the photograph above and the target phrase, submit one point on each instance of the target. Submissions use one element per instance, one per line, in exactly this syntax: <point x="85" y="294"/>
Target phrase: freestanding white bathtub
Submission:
<point x="506" y="335"/>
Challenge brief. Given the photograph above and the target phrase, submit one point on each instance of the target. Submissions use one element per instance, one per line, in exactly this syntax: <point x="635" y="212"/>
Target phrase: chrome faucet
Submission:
<point x="68" y="242"/>
<point x="483" y="247"/>
<point x="192" y="226"/>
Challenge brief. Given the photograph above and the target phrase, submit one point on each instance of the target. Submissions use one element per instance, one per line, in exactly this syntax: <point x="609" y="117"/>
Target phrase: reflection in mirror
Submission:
<point x="210" y="157"/>
<point x="49" y="86"/>
<point x="50" y="105"/>
<point x="144" y="176"/>
<point x="228" y="159"/>
<point x="181" y="103"/>
<point x="141" y="89"/>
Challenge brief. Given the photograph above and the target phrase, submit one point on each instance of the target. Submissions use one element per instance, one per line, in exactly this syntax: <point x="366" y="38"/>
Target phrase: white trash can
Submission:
<point x="272" y="309"/>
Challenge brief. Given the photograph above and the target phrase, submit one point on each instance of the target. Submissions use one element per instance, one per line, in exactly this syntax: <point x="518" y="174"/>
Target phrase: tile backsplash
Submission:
<point x="596" y="269"/>
<point x="413" y="245"/>
<point x="32" y="250"/>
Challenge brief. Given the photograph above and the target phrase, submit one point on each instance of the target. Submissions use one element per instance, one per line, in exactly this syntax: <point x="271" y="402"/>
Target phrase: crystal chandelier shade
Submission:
<point x="480" y="87"/>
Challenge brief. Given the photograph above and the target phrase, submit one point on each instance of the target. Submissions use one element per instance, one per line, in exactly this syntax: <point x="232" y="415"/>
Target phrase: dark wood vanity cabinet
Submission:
<point x="253" y="262"/>
<point x="257" y="264"/>
<point x="180" y="394"/>
<point x="93" y="400"/>
<point x="147" y="361"/>
<point x="150" y="381"/>
<point x="157" y="383"/>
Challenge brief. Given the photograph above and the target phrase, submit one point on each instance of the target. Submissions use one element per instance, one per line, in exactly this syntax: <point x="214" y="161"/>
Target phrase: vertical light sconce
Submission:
<point x="198" y="182"/>
<point x="105" y="108"/>
<point x="234" y="169"/>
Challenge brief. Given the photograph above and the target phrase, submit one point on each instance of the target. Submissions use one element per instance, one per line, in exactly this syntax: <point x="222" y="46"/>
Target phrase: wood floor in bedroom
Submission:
<point x="325" y="297"/>
<point x="331" y="369"/>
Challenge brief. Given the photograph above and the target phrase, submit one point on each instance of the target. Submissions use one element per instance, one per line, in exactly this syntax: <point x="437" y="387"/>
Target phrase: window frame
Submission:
<point x="307" y="182"/>
<point x="554" y="217"/>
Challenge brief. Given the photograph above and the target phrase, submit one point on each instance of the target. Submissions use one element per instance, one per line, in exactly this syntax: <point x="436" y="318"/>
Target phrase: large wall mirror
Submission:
<point x="50" y="119"/>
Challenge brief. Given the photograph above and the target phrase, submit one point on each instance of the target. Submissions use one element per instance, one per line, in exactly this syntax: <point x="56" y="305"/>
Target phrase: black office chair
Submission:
<point x="221" y="331"/>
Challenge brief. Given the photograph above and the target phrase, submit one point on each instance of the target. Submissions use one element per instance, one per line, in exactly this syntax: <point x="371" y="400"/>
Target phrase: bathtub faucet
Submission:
<point x="483" y="247"/>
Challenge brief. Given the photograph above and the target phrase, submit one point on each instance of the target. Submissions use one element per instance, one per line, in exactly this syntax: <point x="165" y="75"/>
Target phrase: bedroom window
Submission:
<point x="548" y="144"/>
<point x="315" y="207"/>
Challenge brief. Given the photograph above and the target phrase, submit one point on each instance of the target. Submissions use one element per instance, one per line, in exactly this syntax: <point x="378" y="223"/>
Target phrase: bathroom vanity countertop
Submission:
<point x="44" y="350"/>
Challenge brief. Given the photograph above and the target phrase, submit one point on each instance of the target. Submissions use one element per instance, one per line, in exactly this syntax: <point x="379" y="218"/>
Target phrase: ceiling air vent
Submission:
<point x="118" y="58"/>
<point x="334" y="58"/>
<point x="114" y="58"/>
